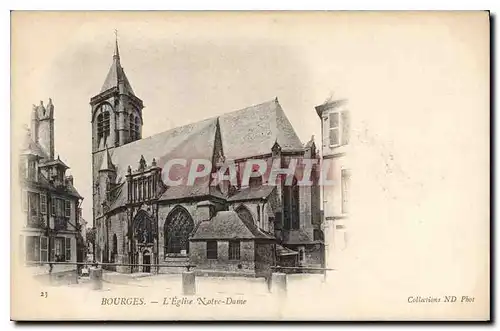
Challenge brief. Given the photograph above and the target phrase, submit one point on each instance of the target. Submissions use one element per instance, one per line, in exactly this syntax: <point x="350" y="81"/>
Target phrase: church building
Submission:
<point x="231" y="228"/>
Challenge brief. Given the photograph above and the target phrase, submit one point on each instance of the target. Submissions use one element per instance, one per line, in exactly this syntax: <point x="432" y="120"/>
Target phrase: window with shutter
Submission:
<point x="67" y="208"/>
<point x="32" y="248"/>
<point x="43" y="203"/>
<point x="53" y="207"/>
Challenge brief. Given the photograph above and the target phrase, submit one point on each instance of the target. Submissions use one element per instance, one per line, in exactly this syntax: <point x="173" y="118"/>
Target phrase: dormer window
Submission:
<point x="256" y="181"/>
<point x="339" y="125"/>
<point x="31" y="173"/>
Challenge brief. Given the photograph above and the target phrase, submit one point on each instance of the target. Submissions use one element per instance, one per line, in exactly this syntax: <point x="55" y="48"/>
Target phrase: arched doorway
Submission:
<point x="144" y="238"/>
<point x="146" y="260"/>
<point x="178" y="226"/>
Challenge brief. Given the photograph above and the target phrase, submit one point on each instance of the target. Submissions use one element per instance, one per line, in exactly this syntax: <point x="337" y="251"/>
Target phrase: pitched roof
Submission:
<point x="228" y="225"/>
<point x="71" y="190"/>
<point x="252" y="131"/>
<point x="192" y="141"/>
<point x="252" y="193"/>
<point x="282" y="251"/>
<point x="116" y="74"/>
<point x="248" y="132"/>
<point x="106" y="162"/>
<point x="54" y="162"/>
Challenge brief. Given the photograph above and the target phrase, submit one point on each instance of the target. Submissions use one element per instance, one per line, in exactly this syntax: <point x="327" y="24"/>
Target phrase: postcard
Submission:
<point x="259" y="166"/>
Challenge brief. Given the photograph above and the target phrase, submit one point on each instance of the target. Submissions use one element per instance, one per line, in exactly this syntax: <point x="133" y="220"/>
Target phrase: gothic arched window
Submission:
<point x="178" y="226"/>
<point x="137" y="128"/>
<point x="103" y="121"/>
<point x="291" y="206"/>
<point x="245" y="214"/>
<point x="144" y="230"/>
<point x="131" y="127"/>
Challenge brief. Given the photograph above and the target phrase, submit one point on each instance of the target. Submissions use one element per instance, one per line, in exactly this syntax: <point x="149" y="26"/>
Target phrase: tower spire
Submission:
<point x="117" y="52"/>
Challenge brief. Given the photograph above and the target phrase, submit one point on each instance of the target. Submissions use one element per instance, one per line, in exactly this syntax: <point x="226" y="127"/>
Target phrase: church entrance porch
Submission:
<point x="146" y="259"/>
<point x="143" y="243"/>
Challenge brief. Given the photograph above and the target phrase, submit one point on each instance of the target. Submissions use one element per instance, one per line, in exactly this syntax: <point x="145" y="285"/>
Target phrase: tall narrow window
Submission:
<point x="131" y="123"/>
<point x="32" y="170"/>
<point x="32" y="248"/>
<point x="345" y="127"/>
<point x="137" y="129"/>
<point x="103" y="121"/>
<point x="43" y="204"/>
<point x="100" y="123"/>
<point x="115" y="244"/>
<point x="291" y="206"/>
<point x="67" y="249"/>
<point x="339" y="127"/>
<point x="334" y="129"/>
<point x="258" y="216"/>
<point x="53" y="206"/>
<point x="234" y="250"/>
<point x="212" y="250"/>
<point x="33" y="203"/>
<point x="59" y="249"/>
<point x="345" y="178"/>
<point x="44" y="249"/>
<point x="67" y="208"/>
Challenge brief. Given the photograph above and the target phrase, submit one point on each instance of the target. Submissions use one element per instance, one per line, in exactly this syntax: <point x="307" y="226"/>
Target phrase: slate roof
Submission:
<point x="31" y="147"/>
<point x="252" y="193"/>
<point x="54" y="162"/>
<point x="281" y="251"/>
<point x="228" y="225"/>
<point x="116" y="74"/>
<point x="245" y="133"/>
<point x="252" y="131"/>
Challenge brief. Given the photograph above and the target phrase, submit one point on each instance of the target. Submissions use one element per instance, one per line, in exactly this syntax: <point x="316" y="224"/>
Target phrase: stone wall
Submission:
<point x="264" y="258"/>
<point x="222" y="265"/>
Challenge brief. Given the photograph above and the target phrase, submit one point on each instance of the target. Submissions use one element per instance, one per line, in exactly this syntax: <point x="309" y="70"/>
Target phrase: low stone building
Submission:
<point x="231" y="244"/>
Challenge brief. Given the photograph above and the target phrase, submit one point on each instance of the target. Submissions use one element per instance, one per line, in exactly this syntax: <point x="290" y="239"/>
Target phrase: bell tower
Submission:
<point x="116" y="116"/>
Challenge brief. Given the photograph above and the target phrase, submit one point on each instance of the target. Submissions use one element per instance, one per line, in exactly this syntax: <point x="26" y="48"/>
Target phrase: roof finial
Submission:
<point x="117" y="53"/>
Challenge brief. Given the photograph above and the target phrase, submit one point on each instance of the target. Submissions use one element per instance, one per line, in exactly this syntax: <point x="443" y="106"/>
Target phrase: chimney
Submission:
<point x="69" y="180"/>
<point x="204" y="211"/>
